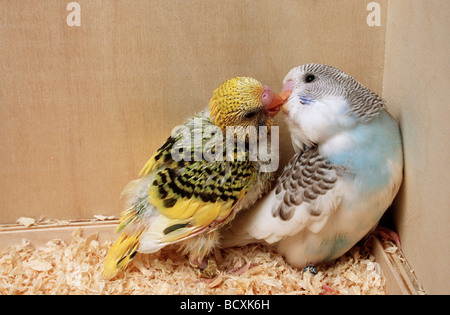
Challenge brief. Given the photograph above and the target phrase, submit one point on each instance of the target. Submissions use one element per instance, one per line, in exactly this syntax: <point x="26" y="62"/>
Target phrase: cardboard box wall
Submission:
<point x="84" y="107"/>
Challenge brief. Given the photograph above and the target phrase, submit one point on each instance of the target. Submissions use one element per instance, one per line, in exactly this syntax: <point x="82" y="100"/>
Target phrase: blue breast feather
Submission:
<point x="375" y="143"/>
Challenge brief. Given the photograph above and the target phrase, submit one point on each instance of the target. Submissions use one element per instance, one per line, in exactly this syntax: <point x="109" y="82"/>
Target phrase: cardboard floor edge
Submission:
<point x="12" y="235"/>
<point x="400" y="279"/>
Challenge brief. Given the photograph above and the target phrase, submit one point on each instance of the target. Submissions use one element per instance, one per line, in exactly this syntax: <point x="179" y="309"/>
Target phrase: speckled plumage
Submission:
<point x="306" y="177"/>
<point x="184" y="198"/>
<point x="365" y="104"/>
<point x="227" y="103"/>
<point x="346" y="171"/>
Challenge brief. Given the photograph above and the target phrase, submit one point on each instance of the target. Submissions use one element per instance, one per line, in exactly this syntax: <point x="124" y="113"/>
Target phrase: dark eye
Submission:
<point x="250" y="115"/>
<point x="309" y="78"/>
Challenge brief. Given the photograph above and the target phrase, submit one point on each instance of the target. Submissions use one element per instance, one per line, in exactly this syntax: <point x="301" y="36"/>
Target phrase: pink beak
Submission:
<point x="271" y="101"/>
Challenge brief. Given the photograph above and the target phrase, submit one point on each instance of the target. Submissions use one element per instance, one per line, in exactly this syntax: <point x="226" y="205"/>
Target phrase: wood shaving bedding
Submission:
<point x="76" y="268"/>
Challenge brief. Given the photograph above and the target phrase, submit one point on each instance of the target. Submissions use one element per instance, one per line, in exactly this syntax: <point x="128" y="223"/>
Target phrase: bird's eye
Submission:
<point x="309" y="78"/>
<point x="250" y="115"/>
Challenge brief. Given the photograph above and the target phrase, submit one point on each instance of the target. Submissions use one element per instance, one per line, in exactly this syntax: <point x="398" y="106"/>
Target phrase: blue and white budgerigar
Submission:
<point x="345" y="174"/>
<point x="183" y="196"/>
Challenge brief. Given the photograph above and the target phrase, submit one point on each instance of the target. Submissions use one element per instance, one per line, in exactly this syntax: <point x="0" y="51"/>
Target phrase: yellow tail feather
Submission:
<point x="120" y="254"/>
<point x="148" y="167"/>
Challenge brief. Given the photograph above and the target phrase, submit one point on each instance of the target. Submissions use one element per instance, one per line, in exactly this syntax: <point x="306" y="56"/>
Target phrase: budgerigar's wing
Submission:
<point x="177" y="199"/>
<point x="193" y="195"/>
<point x="307" y="193"/>
<point x="197" y="197"/>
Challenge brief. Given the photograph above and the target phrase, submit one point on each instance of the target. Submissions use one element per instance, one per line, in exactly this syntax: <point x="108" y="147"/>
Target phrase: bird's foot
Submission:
<point x="387" y="234"/>
<point x="205" y="269"/>
<point x="311" y="269"/>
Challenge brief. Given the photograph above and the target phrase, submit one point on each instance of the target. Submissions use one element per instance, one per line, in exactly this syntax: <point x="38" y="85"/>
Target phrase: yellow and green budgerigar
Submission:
<point x="184" y="197"/>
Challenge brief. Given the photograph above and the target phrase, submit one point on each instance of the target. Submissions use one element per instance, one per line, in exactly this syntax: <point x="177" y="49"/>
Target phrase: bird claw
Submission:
<point x="388" y="234"/>
<point x="207" y="269"/>
<point x="311" y="269"/>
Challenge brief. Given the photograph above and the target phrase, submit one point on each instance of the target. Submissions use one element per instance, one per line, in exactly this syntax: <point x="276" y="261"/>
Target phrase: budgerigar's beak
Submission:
<point x="272" y="102"/>
<point x="286" y="91"/>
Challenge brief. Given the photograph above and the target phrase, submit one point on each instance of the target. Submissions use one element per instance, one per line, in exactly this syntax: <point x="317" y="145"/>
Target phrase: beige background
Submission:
<point x="416" y="85"/>
<point x="83" y="108"/>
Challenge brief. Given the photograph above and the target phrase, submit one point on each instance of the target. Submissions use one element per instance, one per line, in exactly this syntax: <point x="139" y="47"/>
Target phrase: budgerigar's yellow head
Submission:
<point x="244" y="101"/>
